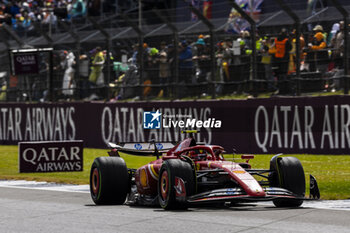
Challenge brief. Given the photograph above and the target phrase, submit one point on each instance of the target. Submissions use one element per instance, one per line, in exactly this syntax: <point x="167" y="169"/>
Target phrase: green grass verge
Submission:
<point x="331" y="172"/>
<point x="9" y="166"/>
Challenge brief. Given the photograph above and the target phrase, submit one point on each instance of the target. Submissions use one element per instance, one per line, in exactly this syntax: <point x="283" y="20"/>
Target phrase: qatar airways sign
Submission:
<point x="315" y="125"/>
<point x="25" y="63"/>
<point x="64" y="156"/>
<point x="34" y="123"/>
<point x="298" y="128"/>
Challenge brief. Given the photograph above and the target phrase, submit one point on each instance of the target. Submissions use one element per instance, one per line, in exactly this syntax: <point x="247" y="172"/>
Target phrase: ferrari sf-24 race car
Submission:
<point x="191" y="173"/>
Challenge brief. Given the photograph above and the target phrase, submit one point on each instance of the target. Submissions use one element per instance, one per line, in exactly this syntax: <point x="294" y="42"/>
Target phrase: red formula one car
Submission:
<point x="189" y="174"/>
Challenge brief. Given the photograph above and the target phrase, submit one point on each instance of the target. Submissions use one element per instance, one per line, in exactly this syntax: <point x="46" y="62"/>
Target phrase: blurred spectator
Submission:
<point x="259" y="50"/>
<point x="16" y="22"/>
<point x="317" y="54"/>
<point x="94" y="7"/>
<point x="219" y="63"/>
<point x="135" y="49"/>
<point x="202" y="59"/>
<point x="67" y="85"/>
<point x="147" y="64"/>
<point x="333" y="33"/>
<point x="84" y="74"/>
<point x="293" y="51"/>
<point x="3" y="88"/>
<point x="14" y="9"/>
<point x="78" y="9"/>
<point x="268" y="50"/>
<point x="246" y="45"/>
<point x="185" y="62"/>
<point x="5" y="18"/>
<point x="164" y="69"/>
<point x="40" y="85"/>
<point x="233" y="54"/>
<point x="49" y="18"/>
<point x="171" y="53"/>
<point x="61" y="4"/>
<point x="2" y="13"/>
<point x="153" y="69"/>
<point x="227" y="55"/>
<point x="281" y="60"/>
<point x="25" y="6"/>
<point x="15" y="12"/>
<point x="337" y="43"/>
<point x="27" y="22"/>
<point x="241" y="60"/>
<point x="97" y="63"/>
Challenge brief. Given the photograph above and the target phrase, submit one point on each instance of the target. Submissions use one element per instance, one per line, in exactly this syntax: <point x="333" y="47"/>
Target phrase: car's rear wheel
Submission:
<point x="288" y="174"/>
<point x="109" y="181"/>
<point x="172" y="171"/>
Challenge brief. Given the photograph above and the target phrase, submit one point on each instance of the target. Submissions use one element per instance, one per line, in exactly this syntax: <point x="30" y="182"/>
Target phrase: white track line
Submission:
<point x="320" y="204"/>
<point x="23" y="184"/>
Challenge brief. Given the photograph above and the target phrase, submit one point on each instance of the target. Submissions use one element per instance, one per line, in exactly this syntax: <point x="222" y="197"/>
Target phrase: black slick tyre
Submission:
<point x="170" y="170"/>
<point x="290" y="175"/>
<point x="109" y="181"/>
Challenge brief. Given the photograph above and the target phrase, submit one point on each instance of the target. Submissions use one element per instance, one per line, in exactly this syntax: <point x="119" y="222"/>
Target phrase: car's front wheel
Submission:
<point x="288" y="174"/>
<point x="176" y="182"/>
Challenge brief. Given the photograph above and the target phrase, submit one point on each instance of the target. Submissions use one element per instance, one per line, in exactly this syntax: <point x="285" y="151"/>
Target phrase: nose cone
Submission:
<point x="254" y="188"/>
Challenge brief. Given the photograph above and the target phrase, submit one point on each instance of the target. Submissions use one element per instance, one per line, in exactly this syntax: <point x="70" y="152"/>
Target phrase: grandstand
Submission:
<point x="223" y="60"/>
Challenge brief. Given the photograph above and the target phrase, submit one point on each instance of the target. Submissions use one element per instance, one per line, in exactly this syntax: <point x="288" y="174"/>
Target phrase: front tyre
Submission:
<point x="289" y="174"/>
<point x="109" y="181"/>
<point x="171" y="171"/>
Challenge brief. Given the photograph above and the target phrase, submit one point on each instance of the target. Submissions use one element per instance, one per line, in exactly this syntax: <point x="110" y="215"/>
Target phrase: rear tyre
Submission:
<point x="170" y="170"/>
<point x="109" y="181"/>
<point x="289" y="174"/>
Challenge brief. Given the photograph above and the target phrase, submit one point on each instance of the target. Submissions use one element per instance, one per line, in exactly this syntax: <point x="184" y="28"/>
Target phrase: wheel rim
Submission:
<point x="164" y="185"/>
<point x="95" y="181"/>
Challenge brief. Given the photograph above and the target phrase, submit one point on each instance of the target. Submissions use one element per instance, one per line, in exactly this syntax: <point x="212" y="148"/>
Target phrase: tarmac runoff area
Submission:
<point x="28" y="206"/>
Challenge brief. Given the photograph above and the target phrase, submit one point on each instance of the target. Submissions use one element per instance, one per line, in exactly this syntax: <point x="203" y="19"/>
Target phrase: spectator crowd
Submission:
<point x="20" y="14"/>
<point x="321" y="55"/>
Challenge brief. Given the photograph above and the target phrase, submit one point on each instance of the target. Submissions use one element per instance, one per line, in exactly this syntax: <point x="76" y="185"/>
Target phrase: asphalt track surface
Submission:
<point x="28" y="210"/>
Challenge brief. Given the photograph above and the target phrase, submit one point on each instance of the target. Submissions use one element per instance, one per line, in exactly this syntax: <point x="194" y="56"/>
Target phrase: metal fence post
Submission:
<point x="345" y="15"/>
<point x="13" y="34"/>
<point x="140" y="49"/>
<point x="44" y="34"/>
<point x="51" y="96"/>
<point x="3" y="39"/>
<point x="173" y="28"/>
<point x="296" y="19"/>
<point x="210" y="26"/>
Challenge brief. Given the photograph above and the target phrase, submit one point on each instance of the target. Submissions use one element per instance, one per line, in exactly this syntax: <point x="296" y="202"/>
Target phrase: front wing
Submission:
<point x="237" y="194"/>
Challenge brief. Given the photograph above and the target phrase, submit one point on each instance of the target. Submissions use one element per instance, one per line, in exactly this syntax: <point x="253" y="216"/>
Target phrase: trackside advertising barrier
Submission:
<point x="54" y="156"/>
<point x="317" y="125"/>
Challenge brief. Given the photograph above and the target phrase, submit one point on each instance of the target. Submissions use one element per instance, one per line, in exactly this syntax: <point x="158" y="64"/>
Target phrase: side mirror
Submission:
<point x="113" y="153"/>
<point x="247" y="157"/>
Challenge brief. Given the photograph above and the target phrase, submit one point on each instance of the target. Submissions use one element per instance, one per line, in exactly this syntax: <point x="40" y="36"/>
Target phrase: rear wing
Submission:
<point x="142" y="148"/>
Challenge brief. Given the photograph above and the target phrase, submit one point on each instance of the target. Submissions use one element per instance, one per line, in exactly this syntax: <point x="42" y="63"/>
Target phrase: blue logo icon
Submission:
<point x="151" y="120"/>
<point x="138" y="146"/>
<point x="159" y="146"/>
